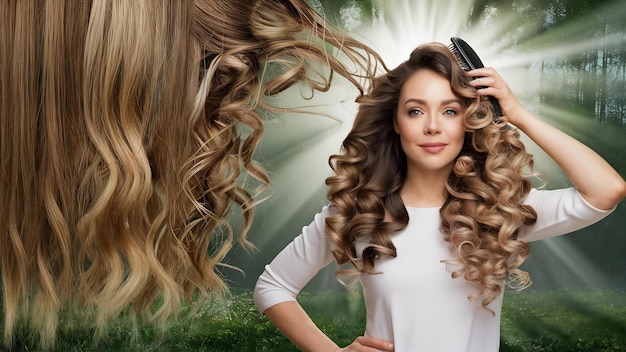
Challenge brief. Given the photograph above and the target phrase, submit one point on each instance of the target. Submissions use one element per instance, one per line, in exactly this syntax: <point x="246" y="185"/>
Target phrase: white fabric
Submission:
<point x="414" y="302"/>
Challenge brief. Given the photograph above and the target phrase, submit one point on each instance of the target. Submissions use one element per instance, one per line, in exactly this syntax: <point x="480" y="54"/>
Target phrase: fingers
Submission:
<point x="488" y="82"/>
<point x="374" y="342"/>
<point x="369" y="344"/>
<point x="483" y="72"/>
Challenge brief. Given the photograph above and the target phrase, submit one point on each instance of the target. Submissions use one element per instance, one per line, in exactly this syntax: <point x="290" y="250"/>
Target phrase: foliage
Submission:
<point x="561" y="320"/>
<point x="564" y="320"/>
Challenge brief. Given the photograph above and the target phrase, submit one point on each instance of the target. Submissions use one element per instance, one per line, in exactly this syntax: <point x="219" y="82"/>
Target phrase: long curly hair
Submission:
<point x="485" y="191"/>
<point x="127" y="130"/>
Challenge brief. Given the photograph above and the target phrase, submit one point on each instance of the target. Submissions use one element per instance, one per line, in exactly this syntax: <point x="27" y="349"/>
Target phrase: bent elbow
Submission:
<point x="616" y="196"/>
<point x="621" y="193"/>
<point x="610" y="195"/>
<point x="257" y="295"/>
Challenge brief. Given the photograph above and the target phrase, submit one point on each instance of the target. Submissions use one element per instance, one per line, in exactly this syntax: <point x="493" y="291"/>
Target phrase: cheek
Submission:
<point x="460" y="135"/>
<point x="457" y="131"/>
<point x="406" y="130"/>
<point x="460" y="140"/>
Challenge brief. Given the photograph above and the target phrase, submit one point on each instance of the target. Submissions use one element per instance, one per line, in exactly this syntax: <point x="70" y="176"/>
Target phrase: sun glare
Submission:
<point x="296" y="147"/>
<point x="402" y="25"/>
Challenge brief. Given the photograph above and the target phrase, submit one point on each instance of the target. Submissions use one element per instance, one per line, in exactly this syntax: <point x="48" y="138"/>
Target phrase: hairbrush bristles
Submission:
<point x="469" y="60"/>
<point x="467" y="57"/>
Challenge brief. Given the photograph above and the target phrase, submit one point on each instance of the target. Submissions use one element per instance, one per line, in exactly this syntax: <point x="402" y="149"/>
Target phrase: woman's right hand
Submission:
<point x="368" y="344"/>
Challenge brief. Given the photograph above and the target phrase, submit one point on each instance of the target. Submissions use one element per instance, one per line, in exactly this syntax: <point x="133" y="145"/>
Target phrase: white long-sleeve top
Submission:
<point x="414" y="302"/>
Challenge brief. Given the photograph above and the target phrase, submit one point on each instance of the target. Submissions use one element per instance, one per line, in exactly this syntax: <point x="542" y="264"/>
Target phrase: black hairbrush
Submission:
<point x="469" y="60"/>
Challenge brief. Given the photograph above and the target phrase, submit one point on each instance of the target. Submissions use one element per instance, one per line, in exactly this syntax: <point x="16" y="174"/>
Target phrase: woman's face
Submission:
<point x="430" y="123"/>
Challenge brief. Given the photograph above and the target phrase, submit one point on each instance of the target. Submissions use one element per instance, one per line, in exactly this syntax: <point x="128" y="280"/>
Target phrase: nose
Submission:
<point x="432" y="125"/>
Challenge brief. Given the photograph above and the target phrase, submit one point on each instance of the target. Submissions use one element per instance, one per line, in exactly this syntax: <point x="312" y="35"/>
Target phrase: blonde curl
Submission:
<point x="126" y="130"/>
<point x="484" y="208"/>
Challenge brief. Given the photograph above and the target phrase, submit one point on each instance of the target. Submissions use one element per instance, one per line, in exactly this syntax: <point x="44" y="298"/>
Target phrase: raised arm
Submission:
<point x="594" y="178"/>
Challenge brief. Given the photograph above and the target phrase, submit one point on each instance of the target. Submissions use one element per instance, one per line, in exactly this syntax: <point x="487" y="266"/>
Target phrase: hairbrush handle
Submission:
<point x="497" y="110"/>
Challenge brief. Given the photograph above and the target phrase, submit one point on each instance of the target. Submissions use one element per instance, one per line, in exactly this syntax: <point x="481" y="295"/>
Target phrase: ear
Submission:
<point x="395" y="125"/>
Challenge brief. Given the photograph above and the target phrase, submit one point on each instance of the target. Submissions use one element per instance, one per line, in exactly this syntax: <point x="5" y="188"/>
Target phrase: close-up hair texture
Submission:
<point x="127" y="134"/>
<point x="485" y="190"/>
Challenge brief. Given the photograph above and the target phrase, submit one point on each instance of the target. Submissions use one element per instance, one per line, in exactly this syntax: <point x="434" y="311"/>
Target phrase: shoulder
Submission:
<point x="563" y="198"/>
<point x="559" y="211"/>
<point x="316" y="230"/>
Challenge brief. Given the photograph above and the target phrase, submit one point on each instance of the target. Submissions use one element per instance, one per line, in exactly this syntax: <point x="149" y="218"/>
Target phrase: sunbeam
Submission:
<point x="559" y="256"/>
<point x="402" y="25"/>
<point x="528" y="52"/>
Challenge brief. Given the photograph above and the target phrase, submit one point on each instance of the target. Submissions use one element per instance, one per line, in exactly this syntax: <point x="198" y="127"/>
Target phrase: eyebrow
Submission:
<point x="444" y="102"/>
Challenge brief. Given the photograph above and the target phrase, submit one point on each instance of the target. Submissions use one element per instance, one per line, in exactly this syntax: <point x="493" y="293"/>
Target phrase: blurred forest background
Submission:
<point x="566" y="61"/>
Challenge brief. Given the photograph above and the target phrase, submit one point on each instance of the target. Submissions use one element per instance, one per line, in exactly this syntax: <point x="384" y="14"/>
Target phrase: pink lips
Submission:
<point x="433" y="147"/>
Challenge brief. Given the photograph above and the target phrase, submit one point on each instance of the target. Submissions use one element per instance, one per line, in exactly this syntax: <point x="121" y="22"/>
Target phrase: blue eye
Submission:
<point x="449" y="112"/>
<point x="415" y="112"/>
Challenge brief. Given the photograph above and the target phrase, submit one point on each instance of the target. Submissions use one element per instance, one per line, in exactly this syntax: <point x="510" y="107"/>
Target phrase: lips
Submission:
<point x="434" y="147"/>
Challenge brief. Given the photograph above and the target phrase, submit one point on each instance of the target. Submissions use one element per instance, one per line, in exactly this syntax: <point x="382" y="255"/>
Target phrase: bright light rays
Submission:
<point x="412" y="22"/>
<point x="404" y="24"/>
<point x="566" y="264"/>
<point x="295" y="148"/>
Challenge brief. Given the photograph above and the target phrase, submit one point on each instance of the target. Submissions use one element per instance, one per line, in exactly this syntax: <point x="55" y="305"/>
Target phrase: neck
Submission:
<point x="424" y="189"/>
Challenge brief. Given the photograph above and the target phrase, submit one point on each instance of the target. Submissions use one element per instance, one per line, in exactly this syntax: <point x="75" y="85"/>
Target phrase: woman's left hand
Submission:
<point x="489" y="83"/>
<point x="583" y="166"/>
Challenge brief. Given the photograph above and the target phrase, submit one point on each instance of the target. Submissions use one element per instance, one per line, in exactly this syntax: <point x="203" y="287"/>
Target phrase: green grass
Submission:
<point x="562" y="320"/>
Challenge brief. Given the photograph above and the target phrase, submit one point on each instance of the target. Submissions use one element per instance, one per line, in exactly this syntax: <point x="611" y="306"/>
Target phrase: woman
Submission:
<point x="124" y="129"/>
<point x="432" y="205"/>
